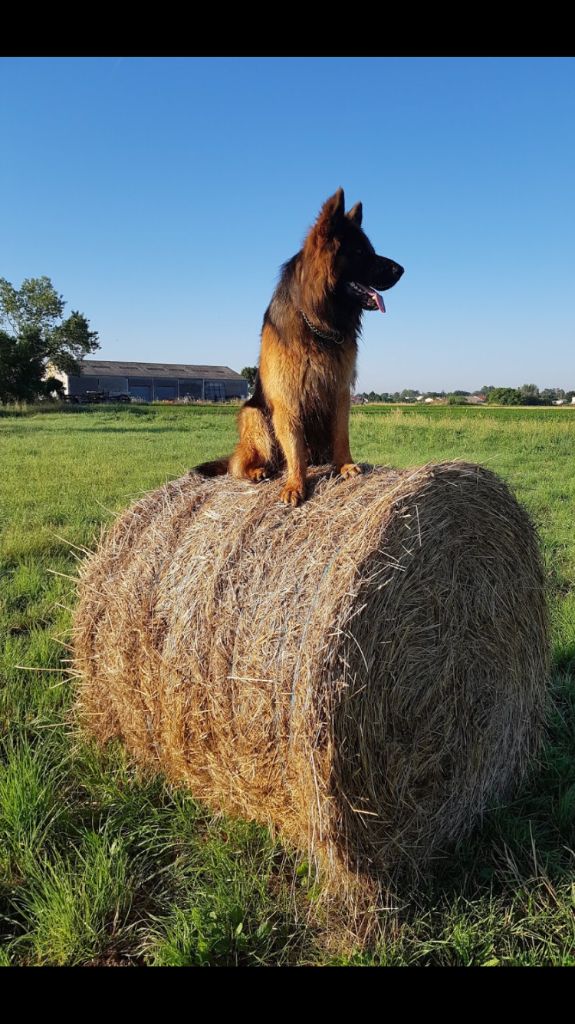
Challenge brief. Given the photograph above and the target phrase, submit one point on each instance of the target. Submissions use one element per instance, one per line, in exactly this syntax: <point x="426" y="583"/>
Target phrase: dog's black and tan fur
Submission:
<point x="299" y="412"/>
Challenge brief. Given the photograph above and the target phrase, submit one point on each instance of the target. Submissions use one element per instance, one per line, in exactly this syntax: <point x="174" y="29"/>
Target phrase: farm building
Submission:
<point x="154" y="382"/>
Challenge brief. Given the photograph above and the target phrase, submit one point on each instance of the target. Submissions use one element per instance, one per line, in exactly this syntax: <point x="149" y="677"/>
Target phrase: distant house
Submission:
<point x="153" y="382"/>
<point x="476" y="399"/>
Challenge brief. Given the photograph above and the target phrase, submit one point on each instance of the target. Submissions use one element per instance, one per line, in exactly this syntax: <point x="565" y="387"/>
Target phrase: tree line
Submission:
<point x="527" y="394"/>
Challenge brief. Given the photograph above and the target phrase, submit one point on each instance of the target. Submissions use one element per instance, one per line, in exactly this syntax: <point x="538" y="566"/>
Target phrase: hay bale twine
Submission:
<point x="364" y="673"/>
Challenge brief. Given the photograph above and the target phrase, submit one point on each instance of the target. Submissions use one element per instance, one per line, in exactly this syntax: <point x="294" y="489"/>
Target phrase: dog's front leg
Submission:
<point x="289" y="433"/>
<point x="342" y="459"/>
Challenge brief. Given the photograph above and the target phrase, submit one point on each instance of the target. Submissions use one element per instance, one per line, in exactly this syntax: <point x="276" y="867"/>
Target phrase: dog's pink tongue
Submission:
<point x="378" y="299"/>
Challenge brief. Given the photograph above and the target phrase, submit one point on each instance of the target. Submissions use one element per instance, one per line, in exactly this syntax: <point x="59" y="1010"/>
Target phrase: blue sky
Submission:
<point x="161" y="195"/>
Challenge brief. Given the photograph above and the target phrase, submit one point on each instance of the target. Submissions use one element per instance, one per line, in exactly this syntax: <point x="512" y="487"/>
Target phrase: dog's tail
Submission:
<point x="218" y="467"/>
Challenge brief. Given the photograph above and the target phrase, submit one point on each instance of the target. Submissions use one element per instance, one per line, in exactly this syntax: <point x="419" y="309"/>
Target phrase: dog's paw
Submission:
<point x="292" y="494"/>
<point x="350" y="469"/>
<point x="257" y="474"/>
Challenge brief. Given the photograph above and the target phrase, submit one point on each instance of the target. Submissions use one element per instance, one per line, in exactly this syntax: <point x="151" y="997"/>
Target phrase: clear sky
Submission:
<point x="161" y="196"/>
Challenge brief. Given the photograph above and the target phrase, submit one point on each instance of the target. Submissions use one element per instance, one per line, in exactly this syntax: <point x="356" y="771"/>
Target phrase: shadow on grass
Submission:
<point x="505" y="896"/>
<point x="529" y="840"/>
<point x="565" y="659"/>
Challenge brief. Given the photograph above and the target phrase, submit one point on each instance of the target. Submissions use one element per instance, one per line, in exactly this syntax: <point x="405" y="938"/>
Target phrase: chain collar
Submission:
<point x="334" y="336"/>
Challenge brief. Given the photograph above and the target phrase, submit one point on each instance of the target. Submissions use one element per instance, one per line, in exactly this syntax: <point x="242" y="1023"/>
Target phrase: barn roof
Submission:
<point x="104" y="367"/>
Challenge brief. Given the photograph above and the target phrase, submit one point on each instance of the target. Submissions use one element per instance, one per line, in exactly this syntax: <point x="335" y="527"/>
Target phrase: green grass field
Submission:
<point x="99" y="867"/>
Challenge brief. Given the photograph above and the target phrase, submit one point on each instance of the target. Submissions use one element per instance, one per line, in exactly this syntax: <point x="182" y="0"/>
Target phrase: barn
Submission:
<point x="155" y="382"/>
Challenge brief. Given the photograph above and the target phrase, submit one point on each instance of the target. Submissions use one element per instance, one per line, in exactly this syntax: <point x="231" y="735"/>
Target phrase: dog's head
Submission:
<point x="350" y="263"/>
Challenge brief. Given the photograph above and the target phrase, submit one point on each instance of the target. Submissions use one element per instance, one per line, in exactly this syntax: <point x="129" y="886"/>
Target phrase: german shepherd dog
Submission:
<point x="299" y="412"/>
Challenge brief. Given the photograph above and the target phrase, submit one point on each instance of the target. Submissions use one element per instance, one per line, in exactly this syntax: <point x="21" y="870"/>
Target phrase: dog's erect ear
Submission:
<point x="356" y="214"/>
<point x="327" y="227"/>
<point x="335" y="205"/>
<point x="332" y="211"/>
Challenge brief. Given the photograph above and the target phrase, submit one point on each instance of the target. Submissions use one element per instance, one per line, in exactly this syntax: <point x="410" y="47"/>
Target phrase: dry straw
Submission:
<point x="365" y="673"/>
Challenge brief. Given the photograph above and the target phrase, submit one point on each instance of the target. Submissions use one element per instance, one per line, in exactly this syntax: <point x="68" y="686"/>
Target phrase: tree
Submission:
<point x="505" y="396"/>
<point x="250" y="373"/>
<point x="529" y="394"/>
<point x="40" y="337"/>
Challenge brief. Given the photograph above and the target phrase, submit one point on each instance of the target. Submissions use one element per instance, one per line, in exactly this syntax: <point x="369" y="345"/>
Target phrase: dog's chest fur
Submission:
<point x="325" y="368"/>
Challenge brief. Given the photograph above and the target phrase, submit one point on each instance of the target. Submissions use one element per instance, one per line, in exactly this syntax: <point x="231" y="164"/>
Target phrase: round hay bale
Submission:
<point x="364" y="673"/>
